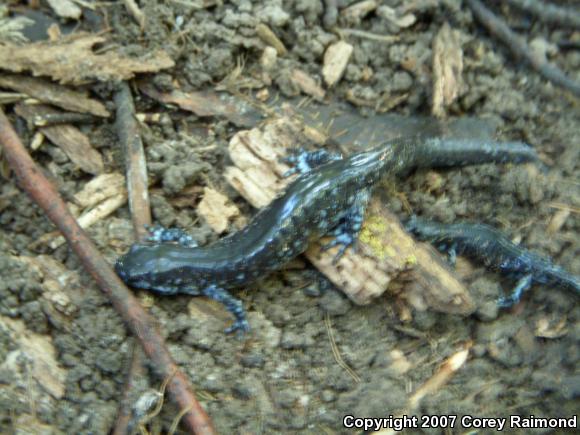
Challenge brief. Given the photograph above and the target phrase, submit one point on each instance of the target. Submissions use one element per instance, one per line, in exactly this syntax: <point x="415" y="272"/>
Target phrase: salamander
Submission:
<point x="492" y="248"/>
<point x="328" y="197"/>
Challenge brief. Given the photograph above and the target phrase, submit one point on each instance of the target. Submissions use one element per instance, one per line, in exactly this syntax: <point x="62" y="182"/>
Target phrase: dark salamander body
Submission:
<point x="496" y="252"/>
<point x="328" y="197"/>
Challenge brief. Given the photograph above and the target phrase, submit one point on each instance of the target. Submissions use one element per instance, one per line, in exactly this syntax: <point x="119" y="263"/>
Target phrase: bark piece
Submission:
<point x="206" y="104"/>
<point x="70" y="139"/>
<point x="52" y="93"/>
<point x="71" y="60"/>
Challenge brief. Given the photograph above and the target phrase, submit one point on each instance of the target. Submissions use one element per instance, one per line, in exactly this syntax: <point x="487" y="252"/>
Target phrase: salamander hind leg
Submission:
<point x="347" y="231"/>
<point x="159" y="234"/>
<point x="523" y="284"/>
<point x="304" y="161"/>
<point x="232" y="304"/>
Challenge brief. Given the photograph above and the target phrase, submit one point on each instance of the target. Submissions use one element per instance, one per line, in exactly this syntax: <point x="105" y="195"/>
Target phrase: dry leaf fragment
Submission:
<point x="70" y="139"/>
<point x="447" y="70"/>
<point x="336" y="59"/>
<point x="216" y="211"/>
<point x="72" y="60"/>
<point x="55" y="94"/>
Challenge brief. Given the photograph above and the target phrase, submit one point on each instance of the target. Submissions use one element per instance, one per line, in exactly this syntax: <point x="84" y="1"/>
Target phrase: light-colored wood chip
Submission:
<point x="558" y="220"/>
<point x="71" y="60"/>
<point x="307" y="84"/>
<point x="269" y="37"/>
<point x="336" y="59"/>
<point x="385" y="251"/>
<point x="99" y="189"/>
<point x="217" y="210"/>
<point x="447" y="70"/>
<point x="32" y="356"/>
<point x="65" y="9"/>
<point x="354" y="13"/>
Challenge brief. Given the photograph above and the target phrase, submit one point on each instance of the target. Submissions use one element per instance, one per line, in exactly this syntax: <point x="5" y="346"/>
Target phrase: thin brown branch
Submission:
<point x="520" y="48"/>
<point x="31" y="179"/>
<point x="549" y="13"/>
<point x="136" y="176"/>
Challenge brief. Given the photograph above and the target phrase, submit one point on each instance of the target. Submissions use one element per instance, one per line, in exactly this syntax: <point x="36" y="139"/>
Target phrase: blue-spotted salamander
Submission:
<point x="491" y="247"/>
<point x="327" y="198"/>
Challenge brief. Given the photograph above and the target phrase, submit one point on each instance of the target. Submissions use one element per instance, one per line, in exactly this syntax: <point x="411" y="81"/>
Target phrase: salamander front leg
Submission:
<point x="232" y="304"/>
<point x="347" y="231"/>
<point x="159" y="234"/>
<point x="522" y="285"/>
<point x="304" y="161"/>
<point x="451" y="251"/>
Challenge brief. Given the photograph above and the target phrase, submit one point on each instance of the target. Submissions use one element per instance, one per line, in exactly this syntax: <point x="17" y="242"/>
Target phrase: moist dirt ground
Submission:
<point x="285" y="377"/>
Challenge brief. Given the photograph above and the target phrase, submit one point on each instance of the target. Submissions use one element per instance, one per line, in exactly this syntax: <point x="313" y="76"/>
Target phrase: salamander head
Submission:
<point x="142" y="266"/>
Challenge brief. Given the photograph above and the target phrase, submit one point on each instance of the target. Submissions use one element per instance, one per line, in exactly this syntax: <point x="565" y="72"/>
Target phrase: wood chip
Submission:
<point x="206" y="104"/>
<point x="217" y="210"/>
<point x="71" y="60"/>
<point x="100" y="197"/>
<point x="385" y="250"/>
<point x="336" y="59"/>
<point x="65" y="9"/>
<point x="447" y="70"/>
<point x="269" y="37"/>
<point x="55" y="94"/>
<point x="357" y="11"/>
<point x="100" y="188"/>
<point x="557" y="221"/>
<point x="31" y="357"/>
<point x="70" y="139"/>
<point x="307" y="84"/>
<point x="58" y="282"/>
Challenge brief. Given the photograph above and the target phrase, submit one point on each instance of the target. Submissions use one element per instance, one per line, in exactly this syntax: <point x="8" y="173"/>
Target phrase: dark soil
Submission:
<point x="284" y="377"/>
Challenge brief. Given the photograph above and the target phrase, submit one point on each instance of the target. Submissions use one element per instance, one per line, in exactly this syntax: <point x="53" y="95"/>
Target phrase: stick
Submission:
<point x="549" y="13"/>
<point x="30" y="178"/>
<point x="518" y="46"/>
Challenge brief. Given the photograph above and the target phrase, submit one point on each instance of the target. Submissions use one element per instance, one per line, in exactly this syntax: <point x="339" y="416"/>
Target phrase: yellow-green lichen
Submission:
<point x="372" y="233"/>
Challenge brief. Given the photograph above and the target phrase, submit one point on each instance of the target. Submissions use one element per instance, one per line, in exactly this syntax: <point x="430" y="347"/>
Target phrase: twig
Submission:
<point x="140" y="323"/>
<point x="520" y="48"/>
<point x="136" y="167"/>
<point x="336" y="352"/>
<point x="549" y="13"/>
<point x="136" y="176"/>
<point x="48" y="119"/>
<point x="135" y="12"/>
